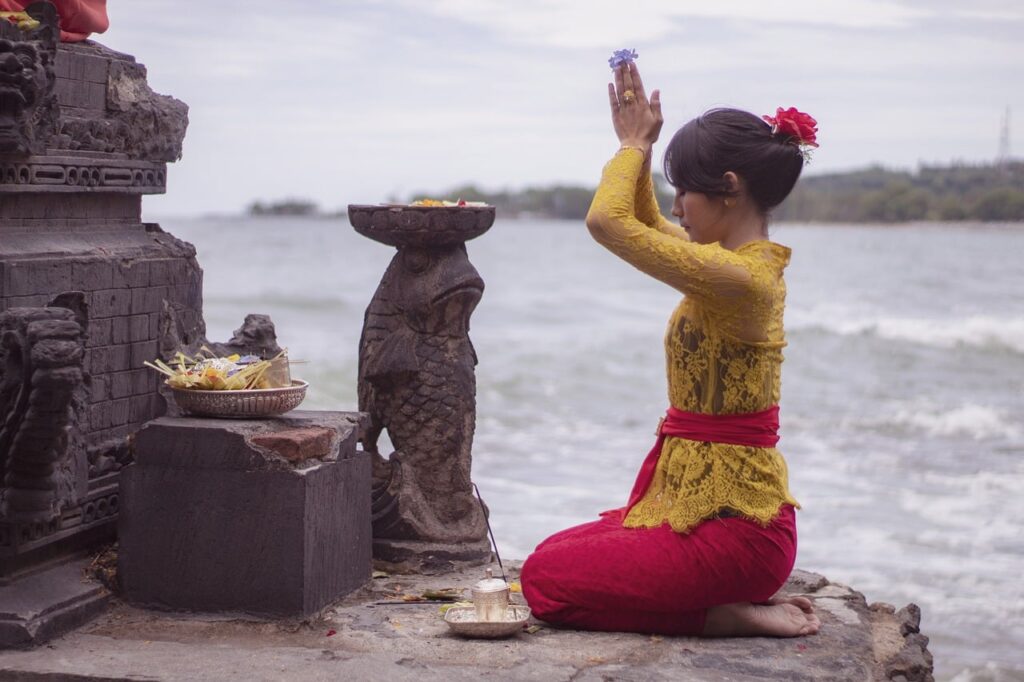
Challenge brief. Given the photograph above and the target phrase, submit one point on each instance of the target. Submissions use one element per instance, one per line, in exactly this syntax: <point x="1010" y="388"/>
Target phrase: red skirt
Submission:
<point x="604" y="576"/>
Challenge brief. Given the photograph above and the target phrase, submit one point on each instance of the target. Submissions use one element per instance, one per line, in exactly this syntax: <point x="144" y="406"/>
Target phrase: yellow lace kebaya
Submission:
<point x="723" y="349"/>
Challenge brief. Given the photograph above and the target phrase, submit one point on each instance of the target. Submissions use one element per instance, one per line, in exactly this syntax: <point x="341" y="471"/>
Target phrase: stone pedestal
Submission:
<point x="270" y="517"/>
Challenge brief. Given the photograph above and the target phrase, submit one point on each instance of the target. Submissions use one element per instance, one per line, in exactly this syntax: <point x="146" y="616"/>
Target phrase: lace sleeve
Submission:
<point x="647" y="210"/>
<point x="705" y="270"/>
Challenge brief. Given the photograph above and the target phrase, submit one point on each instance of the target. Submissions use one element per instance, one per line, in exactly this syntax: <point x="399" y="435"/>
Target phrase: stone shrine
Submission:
<point x="82" y="139"/>
<point x="88" y="292"/>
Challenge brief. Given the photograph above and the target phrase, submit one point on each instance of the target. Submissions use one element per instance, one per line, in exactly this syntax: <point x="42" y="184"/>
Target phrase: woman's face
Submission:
<point x="701" y="216"/>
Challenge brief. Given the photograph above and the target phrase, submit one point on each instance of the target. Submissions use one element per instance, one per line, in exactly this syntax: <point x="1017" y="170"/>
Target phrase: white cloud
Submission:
<point x="600" y="23"/>
<point x="349" y="101"/>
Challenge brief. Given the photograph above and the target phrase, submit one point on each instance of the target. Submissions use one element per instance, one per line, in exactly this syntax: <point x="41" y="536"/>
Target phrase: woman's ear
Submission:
<point x="733" y="183"/>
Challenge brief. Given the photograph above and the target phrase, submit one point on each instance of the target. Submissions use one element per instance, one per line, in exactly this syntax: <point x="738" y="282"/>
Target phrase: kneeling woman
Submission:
<point x="709" y="533"/>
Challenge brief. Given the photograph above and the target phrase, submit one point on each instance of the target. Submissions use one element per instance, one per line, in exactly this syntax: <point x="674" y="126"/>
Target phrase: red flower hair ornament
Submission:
<point x="800" y="128"/>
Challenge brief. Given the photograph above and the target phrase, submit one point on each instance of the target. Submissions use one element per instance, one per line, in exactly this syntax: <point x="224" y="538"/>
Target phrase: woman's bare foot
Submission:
<point x="780" y="617"/>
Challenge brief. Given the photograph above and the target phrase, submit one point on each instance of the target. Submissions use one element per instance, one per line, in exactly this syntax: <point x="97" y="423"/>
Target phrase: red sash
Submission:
<point x="753" y="429"/>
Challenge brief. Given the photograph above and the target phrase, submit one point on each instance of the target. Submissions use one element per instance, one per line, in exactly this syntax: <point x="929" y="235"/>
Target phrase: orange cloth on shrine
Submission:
<point x="78" y="18"/>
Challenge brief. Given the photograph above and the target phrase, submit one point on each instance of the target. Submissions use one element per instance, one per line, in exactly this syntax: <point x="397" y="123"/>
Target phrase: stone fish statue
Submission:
<point x="417" y="380"/>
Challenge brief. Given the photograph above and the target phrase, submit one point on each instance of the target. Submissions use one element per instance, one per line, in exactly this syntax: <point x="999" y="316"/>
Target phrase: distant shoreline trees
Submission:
<point x="959" y="192"/>
<point x="934" y="193"/>
<point x="286" y="207"/>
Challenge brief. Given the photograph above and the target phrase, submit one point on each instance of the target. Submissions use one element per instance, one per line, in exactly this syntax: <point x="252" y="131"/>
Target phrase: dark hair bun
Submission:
<point x="723" y="140"/>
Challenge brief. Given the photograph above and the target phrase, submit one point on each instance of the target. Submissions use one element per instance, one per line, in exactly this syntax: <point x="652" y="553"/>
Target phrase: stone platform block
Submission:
<point x="269" y="517"/>
<point x="48" y="603"/>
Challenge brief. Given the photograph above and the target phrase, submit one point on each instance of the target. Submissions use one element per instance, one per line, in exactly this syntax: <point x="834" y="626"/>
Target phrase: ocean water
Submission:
<point x="902" y="410"/>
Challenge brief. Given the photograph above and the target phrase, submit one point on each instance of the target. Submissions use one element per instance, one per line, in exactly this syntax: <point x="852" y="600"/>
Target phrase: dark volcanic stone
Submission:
<point x="48" y="603"/>
<point x="910" y="619"/>
<point x="212" y="522"/>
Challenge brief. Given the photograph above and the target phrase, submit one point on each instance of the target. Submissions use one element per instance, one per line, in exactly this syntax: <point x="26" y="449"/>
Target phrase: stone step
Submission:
<point x="43" y="605"/>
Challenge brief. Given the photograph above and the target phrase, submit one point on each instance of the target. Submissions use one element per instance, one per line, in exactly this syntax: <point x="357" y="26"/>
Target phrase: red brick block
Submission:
<point x="297" y="445"/>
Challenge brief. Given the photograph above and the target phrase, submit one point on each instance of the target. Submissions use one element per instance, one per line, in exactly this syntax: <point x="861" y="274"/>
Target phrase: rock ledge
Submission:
<point x="365" y="639"/>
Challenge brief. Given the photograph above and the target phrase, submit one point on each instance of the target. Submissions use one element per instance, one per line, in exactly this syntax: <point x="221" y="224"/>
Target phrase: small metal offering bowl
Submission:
<point x="251" y="404"/>
<point x="463" y="621"/>
<point x="424" y="226"/>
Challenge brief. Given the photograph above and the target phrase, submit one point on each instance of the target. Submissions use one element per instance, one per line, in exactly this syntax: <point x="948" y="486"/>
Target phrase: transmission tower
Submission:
<point x="1004" y="140"/>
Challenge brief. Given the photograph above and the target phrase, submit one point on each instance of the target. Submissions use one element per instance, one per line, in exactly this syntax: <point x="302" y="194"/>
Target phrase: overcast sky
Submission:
<point x="350" y="102"/>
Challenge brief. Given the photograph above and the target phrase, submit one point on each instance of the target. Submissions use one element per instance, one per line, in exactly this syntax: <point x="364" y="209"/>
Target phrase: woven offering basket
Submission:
<point x="251" y="404"/>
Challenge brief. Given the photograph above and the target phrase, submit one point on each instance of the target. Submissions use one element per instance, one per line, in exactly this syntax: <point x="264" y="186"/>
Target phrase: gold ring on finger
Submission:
<point x="628" y="96"/>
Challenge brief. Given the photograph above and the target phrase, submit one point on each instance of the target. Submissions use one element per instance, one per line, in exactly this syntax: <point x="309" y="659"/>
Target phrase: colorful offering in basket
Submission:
<point x="20" y="19"/>
<point x="231" y="373"/>
<point x="445" y="202"/>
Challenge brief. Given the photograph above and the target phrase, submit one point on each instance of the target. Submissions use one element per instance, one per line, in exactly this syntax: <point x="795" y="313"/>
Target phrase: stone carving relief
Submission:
<point x="134" y="121"/>
<point x="41" y="396"/>
<point x="28" y="107"/>
<point x="128" y="176"/>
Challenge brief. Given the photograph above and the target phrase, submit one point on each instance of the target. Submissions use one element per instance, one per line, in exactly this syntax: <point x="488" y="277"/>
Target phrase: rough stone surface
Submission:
<point x="257" y="335"/>
<point x="362" y="639"/>
<point x="213" y="521"/>
<point x="417" y="380"/>
<point x="83" y="97"/>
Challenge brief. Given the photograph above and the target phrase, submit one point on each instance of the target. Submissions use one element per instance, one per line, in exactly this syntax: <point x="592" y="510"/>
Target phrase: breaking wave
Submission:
<point x="976" y="421"/>
<point x="978" y="331"/>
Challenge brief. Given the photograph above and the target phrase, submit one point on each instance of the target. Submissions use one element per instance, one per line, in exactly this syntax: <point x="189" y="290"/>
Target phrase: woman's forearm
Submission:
<point x="614" y="206"/>
<point x="645" y="201"/>
<point x="706" y="270"/>
<point x="646" y="204"/>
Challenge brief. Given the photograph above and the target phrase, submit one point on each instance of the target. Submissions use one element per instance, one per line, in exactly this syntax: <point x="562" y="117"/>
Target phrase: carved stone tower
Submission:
<point x="87" y="290"/>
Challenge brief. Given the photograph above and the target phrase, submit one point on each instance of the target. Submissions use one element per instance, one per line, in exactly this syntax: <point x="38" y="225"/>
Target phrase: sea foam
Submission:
<point x="977" y="421"/>
<point x="980" y="331"/>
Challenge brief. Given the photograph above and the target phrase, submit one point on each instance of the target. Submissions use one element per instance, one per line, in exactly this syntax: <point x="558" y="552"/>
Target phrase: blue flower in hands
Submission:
<point x="620" y="57"/>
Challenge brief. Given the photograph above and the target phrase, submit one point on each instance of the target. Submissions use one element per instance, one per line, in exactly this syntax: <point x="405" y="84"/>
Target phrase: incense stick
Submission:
<point x="490" y="532"/>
